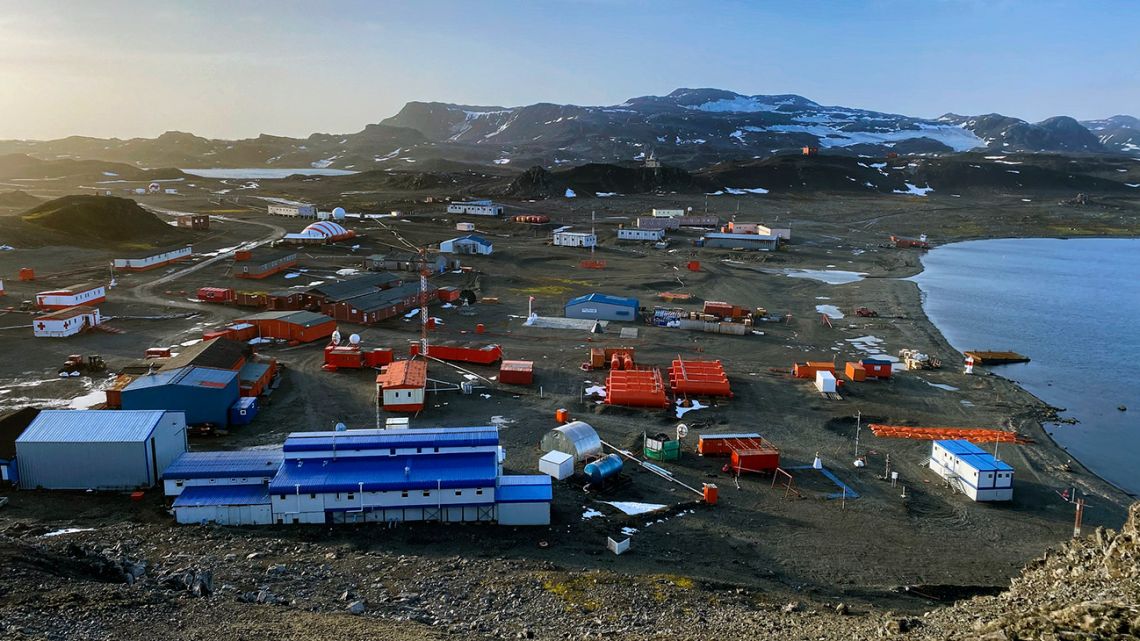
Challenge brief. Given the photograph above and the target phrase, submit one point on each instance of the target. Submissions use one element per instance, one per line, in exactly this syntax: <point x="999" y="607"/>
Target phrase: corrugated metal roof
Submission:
<point x="219" y="353"/>
<point x="422" y="472"/>
<point x="252" y="371"/>
<point x="355" y="286"/>
<point x="206" y="495"/>
<point x="524" y="489"/>
<point x="189" y="376"/>
<point x="386" y="297"/>
<point x="92" y="426"/>
<point x="731" y="435"/>
<point x="473" y="238"/>
<point x="239" y="464"/>
<point x="604" y="298"/>
<point x="974" y="456"/>
<point x="302" y="318"/>
<point x="387" y="439"/>
<point x="744" y="237"/>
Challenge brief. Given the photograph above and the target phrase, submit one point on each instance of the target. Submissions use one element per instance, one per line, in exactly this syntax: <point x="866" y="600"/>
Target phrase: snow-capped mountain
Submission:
<point x="690" y="128"/>
<point x="1121" y="133"/>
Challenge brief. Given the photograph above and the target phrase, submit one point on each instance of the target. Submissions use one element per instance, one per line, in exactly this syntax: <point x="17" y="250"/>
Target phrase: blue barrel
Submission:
<point x="603" y="469"/>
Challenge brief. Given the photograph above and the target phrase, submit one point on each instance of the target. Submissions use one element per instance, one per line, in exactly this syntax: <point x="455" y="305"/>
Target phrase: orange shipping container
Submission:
<point x="855" y="372"/>
<point x="808" y="369"/>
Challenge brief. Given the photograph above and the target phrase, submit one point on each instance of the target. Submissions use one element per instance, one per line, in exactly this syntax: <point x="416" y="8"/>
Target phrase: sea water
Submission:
<point x="1073" y="307"/>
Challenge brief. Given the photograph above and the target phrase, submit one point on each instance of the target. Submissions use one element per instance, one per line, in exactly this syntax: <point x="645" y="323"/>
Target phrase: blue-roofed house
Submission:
<point x="204" y="394"/>
<point x="524" y="499"/>
<point x="224" y="505"/>
<point x="971" y="470"/>
<point x="217" y="469"/>
<point x="470" y="244"/>
<point x="98" y="449"/>
<point x="361" y="476"/>
<point x="602" y="307"/>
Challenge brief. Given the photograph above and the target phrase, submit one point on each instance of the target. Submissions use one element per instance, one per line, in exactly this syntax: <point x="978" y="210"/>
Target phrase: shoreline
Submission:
<point x="1038" y="402"/>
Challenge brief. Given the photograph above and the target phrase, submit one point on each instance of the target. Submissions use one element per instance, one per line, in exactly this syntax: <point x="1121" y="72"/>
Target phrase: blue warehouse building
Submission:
<point x="361" y="476"/>
<point x="204" y="394"/>
<point x="602" y="307"/>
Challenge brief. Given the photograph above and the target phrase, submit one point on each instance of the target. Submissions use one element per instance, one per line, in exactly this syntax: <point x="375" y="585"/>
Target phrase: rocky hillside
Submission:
<point x="90" y="221"/>
<point x="689" y="128"/>
<point x="144" y="581"/>
<point x="1088" y="589"/>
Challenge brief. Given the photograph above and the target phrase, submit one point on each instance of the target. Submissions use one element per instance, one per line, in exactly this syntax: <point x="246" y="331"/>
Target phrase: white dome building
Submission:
<point x="324" y="231"/>
<point x="338" y="213"/>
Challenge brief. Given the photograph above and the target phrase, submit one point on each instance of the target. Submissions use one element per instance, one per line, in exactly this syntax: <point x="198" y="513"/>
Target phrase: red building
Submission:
<point x="262" y="265"/>
<point x="516" y="372"/>
<point x="85" y="294"/>
<point x="401" y="386"/>
<point x="301" y="326"/>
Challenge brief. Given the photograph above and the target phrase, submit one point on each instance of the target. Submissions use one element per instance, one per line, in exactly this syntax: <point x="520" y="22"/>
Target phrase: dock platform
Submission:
<point x="982" y="357"/>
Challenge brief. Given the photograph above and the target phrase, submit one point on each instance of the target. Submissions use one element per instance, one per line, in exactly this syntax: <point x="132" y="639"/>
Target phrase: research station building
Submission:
<point x="99" y="449"/>
<point x="602" y="307"/>
<point x="972" y="470"/>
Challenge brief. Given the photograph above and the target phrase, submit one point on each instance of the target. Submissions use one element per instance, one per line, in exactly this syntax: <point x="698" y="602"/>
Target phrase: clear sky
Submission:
<point x="236" y="68"/>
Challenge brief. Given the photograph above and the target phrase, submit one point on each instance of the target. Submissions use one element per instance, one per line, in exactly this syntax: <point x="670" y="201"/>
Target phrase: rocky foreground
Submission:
<point x="150" y="581"/>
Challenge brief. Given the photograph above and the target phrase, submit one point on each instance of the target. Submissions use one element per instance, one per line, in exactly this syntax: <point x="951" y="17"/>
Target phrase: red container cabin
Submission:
<point x="700" y="378"/>
<point x="808" y="369"/>
<point x="753" y="455"/>
<point x="877" y="368"/>
<point x="903" y="242"/>
<point x="27" y="274"/>
<point x="215" y="294"/>
<point x="724" y="310"/>
<point x="353" y="357"/>
<point x="251" y="299"/>
<point x="636" y="388"/>
<point x="720" y="444"/>
<point x="447" y="294"/>
<point x="516" y="372"/>
<point x="484" y="355"/>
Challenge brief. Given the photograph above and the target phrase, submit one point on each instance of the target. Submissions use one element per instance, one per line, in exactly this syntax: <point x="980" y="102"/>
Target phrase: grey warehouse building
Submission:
<point x="99" y="449"/>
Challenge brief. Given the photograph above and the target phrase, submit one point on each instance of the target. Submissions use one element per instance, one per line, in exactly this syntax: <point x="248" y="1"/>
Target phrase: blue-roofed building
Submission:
<point x="971" y="470"/>
<point x="204" y="394"/>
<point x="470" y="244"/>
<point x="217" y="469"/>
<point x="98" y="449"/>
<point x="524" y="499"/>
<point x="602" y="307"/>
<point x="369" y="475"/>
<point x="224" y="505"/>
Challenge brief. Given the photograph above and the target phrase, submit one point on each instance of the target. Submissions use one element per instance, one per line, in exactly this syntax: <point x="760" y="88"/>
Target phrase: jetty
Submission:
<point x="982" y="357"/>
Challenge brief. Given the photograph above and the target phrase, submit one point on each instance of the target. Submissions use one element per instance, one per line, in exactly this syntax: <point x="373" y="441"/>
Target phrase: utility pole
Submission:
<point x="858" y="426"/>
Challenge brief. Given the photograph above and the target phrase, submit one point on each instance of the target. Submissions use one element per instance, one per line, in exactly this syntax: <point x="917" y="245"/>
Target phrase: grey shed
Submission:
<point x="575" y="438"/>
<point x="99" y="449"/>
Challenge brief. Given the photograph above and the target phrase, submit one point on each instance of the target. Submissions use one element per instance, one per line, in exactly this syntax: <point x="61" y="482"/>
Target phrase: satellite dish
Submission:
<point x="341" y="427"/>
<point x="682" y="431"/>
<point x="354" y="339"/>
<point x="336" y="337"/>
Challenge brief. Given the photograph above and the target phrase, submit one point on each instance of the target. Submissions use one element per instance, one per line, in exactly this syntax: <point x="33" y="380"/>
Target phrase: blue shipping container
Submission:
<point x="243" y="411"/>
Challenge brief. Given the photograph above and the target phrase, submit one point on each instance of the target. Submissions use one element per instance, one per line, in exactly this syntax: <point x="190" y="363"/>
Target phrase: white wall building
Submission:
<point x="66" y="322"/>
<point x="575" y="239"/>
<point x="971" y="470"/>
<point x="303" y="211"/>
<point x="668" y="213"/>
<point x="153" y="261"/>
<point x="475" y="208"/>
<point x="783" y="233"/>
<point x="626" y="233"/>
<point x="470" y="244"/>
